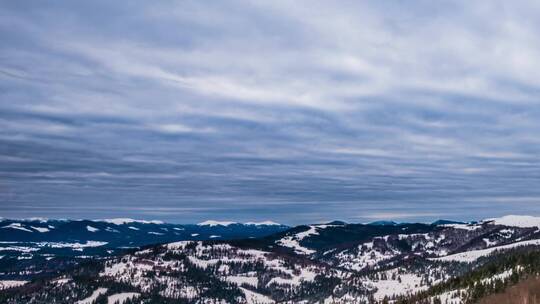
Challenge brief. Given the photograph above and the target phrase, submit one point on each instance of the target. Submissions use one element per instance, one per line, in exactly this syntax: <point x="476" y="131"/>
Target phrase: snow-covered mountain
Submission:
<point x="127" y="232"/>
<point x="443" y="262"/>
<point x="523" y="221"/>
<point x="40" y="246"/>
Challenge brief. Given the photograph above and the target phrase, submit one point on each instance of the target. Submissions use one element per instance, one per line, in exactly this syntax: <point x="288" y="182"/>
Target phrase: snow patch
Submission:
<point x="93" y="297"/>
<point x="17" y="226"/>
<point x="72" y="245"/>
<point x="293" y="241"/>
<point x="122" y="297"/>
<point x="91" y="229"/>
<point x="263" y="223"/>
<point x="40" y="229"/>
<point x="212" y="223"/>
<point x="500" y="276"/>
<point x="239" y="280"/>
<point x="406" y="284"/>
<point x="489" y="243"/>
<point x="255" y="298"/>
<point x="109" y="229"/>
<point x="364" y="256"/>
<point x="469" y="227"/>
<point x="122" y="221"/>
<point x="61" y="281"/>
<point x="449" y="297"/>
<point x="473" y="255"/>
<point x="522" y="221"/>
<point x="4" y="284"/>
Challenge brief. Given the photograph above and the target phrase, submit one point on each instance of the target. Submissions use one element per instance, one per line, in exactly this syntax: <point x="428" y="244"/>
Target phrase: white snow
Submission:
<point x="122" y="297"/>
<point x="11" y="283"/>
<point x="122" y="221"/>
<point x="469" y="227"/>
<point x="365" y="256"/>
<point x="305" y="275"/>
<point x="24" y="249"/>
<point x="93" y="297"/>
<point x="473" y="255"/>
<point x="348" y="298"/>
<point x="61" y="281"/>
<point x="263" y="223"/>
<point x="212" y="223"/>
<point x="72" y="245"/>
<point x="523" y="221"/>
<point x="91" y="229"/>
<point x="17" y="226"/>
<point x="449" y="297"/>
<point x="293" y="241"/>
<point x="36" y="219"/>
<point x="202" y="263"/>
<point x="506" y="232"/>
<point x="500" y="276"/>
<point x="40" y="229"/>
<point x="189" y="292"/>
<point x="488" y="242"/>
<point x="409" y="284"/>
<point x="255" y="298"/>
<point x="37" y="245"/>
<point x="239" y="280"/>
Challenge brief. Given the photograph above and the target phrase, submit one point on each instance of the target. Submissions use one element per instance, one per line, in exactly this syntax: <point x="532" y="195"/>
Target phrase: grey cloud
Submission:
<point x="226" y="110"/>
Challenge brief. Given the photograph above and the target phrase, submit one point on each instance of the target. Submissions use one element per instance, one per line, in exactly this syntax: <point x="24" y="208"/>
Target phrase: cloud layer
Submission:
<point x="293" y="111"/>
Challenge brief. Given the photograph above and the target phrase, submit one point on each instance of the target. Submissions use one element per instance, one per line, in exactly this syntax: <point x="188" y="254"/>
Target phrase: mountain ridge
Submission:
<point x="335" y="262"/>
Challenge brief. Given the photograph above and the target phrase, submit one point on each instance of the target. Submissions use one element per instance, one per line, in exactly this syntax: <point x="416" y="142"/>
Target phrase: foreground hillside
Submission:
<point x="526" y="291"/>
<point x="330" y="263"/>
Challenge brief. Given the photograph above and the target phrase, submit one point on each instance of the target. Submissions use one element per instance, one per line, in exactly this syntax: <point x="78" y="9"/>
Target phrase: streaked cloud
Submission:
<point x="343" y="110"/>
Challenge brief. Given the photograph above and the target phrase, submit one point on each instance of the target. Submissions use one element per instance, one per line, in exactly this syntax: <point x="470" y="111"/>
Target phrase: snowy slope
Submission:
<point x="473" y="255"/>
<point x="523" y="221"/>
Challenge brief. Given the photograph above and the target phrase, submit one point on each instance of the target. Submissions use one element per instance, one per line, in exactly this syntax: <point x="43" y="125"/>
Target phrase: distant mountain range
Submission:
<point x="50" y="245"/>
<point x="226" y="262"/>
<point x="128" y="232"/>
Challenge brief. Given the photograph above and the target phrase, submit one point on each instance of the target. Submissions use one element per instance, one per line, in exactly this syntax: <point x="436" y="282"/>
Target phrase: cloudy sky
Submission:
<point x="293" y="111"/>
